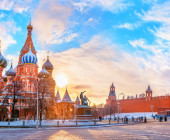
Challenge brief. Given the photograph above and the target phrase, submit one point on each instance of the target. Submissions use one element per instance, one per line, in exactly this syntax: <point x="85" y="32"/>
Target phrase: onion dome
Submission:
<point x="29" y="58"/>
<point x="48" y="66"/>
<point x="5" y="77"/>
<point x="30" y="26"/>
<point x="11" y="71"/>
<point x="43" y="73"/>
<point x="3" y="62"/>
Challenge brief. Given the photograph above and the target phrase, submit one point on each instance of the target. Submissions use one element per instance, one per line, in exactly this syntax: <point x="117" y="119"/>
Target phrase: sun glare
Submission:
<point x="61" y="80"/>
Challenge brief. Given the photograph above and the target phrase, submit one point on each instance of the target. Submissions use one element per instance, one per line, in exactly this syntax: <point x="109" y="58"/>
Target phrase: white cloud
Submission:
<point x="51" y="22"/>
<point x="18" y="6"/>
<point x="108" y="5"/>
<point x="128" y="26"/>
<point x="91" y="21"/>
<point x="6" y="4"/>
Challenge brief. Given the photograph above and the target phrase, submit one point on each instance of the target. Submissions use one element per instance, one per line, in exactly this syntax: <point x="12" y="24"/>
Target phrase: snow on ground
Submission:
<point x="48" y="123"/>
<point x="135" y="115"/>
<point x="73" y="122"/>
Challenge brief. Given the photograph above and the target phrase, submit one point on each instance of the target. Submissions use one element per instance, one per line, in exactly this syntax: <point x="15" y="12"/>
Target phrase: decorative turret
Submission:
<point x="66" y="97"/>
<point x="148" y="92"/>
<point x="58" y="96"/>
<point x="11" y="72"/>
<point x="77" y="101"/>
<point x="29" y="58"/>
<point x="112" y="91"/>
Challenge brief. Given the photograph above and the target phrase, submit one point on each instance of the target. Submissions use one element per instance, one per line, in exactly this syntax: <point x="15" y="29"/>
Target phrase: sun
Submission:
<point x="61" y="80"/>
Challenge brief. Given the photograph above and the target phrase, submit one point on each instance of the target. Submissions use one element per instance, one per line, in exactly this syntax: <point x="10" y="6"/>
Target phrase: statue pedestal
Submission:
<point x="84" y="113"/>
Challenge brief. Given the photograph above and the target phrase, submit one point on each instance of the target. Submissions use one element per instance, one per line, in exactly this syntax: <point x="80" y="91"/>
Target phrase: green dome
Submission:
<point x="3" y="62"/>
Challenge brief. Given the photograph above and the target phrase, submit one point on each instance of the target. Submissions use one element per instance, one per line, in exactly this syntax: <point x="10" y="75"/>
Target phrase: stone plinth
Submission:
<point x="84" y="113"/>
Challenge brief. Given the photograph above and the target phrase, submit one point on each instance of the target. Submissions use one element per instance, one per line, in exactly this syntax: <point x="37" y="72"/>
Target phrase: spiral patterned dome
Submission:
<point x="29" y="58"/>
<point x="3" y="62"/>
<point x="43" y="73"/>
<point x="5" y="77"/>
<point x="48" y="66"/>
<point x="11" y="71"/>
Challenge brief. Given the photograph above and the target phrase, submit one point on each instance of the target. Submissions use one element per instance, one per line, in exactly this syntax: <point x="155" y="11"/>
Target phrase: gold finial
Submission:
<point x="48" y="55"/>
<point x="11" y="62"/>
<point x="30" y="20"/>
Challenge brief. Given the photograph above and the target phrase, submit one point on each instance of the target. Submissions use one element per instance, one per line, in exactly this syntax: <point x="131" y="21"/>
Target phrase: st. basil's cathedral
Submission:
<point x="18" y="87"/>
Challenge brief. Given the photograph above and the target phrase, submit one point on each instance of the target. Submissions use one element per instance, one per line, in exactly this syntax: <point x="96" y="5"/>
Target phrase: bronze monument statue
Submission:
<point x="84" y="99"/>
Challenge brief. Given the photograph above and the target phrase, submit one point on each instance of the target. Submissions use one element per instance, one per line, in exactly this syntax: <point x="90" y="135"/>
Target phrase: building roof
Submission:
<point x="66" y="97"/>
<point x="77" y="99"/>
<point x="58" y="96"/>
<point x="149" y="89"/>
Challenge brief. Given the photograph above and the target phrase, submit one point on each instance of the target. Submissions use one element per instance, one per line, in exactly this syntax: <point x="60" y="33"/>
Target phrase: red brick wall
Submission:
<point x="144" y="104"/>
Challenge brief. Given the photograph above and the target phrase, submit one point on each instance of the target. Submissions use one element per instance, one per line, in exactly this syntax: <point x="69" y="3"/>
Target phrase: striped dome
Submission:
<point x="29" y="58"/>
<point x="11" y="71"/>
<point x="48" y="66"/>
<point x="43" y="73"/>
<point x="3" y="62"/>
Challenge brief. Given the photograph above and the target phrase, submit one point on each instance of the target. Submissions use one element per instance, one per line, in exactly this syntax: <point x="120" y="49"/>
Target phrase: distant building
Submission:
<point x="145" y="103"/>
<point x="65" y="107"/>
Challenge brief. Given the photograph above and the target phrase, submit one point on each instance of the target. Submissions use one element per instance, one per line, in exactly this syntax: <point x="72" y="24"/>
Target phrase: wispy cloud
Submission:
<point x="128" y="26"/>
<point x="7" y="29"/>
<point x="159" y="13"/>
<point x="107" y="5"/>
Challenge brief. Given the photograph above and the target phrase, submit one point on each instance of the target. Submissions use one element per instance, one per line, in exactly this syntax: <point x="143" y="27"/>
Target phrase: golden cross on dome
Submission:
<point x="0" y="45"/>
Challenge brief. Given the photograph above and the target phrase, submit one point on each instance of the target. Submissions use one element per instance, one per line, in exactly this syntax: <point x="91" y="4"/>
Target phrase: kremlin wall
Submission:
<point x="146" y="103"/>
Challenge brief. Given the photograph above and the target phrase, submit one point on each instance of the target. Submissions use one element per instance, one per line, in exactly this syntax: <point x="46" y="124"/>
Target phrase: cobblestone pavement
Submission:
<point x="152" y="130"/>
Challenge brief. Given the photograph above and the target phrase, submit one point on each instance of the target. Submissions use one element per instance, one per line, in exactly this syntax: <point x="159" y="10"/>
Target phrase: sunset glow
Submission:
<point x="61" y="80"/>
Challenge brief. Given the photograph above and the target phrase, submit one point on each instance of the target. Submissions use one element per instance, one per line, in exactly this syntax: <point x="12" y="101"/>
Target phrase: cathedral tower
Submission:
<point x="27" y="68"/>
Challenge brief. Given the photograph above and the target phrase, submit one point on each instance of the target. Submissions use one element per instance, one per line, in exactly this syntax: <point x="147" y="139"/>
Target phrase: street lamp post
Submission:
<point x="118" y="104"/>
<point x="37" y="106"/>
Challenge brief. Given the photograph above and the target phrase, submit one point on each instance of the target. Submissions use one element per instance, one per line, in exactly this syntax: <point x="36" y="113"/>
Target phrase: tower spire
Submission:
<point x="0" y="46"/>
<point x="48" y="55"/>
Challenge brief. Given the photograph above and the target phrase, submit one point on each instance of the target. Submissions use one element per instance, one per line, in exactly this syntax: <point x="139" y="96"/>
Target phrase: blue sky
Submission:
<point x="95" y="42"/>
